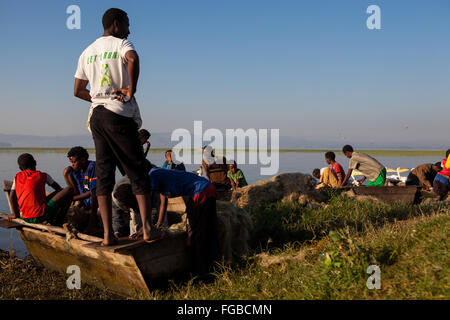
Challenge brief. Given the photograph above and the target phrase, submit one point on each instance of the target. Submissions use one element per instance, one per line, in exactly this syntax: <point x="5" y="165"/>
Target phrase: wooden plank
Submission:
<point x="50" y="229"/>
<point x="407" y="194"/>
<point x="8" y="225"/>
<point x="113" y="271"/>
<point x="7" y="184"/>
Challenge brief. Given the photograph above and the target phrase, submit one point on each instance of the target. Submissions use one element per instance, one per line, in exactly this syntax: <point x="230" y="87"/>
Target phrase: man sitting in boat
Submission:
<point x="236" y="176"/>
<point x="326" y="177"/>
<point x="81" y="177"/>
<point x="423" y="175"/>
<point x="336" y="168"/>
<point x="215" y="169"/>
<point x="144" y="135"/>
<point x="169" y="163"/>
<point x="441" y="182"/>
<point x="28" y="195"/>
<point x="368" y="166"/>
<point x="200" y="209"/>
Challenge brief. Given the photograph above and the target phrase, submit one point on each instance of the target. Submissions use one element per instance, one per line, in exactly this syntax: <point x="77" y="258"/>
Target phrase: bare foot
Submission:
<point x="155" y="235"/>
<point x="109" y="242"/>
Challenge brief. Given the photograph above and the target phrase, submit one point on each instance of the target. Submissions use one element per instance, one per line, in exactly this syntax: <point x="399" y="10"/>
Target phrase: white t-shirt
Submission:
<point x="104" y="65"/>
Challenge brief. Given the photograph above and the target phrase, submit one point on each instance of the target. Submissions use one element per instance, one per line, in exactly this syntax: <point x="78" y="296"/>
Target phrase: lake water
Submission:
<point x="54" y="163"/>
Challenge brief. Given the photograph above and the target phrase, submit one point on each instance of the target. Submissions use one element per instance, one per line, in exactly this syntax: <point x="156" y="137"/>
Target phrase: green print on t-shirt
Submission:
<point x="106" y="75"/>
<point x="103" y="56"/>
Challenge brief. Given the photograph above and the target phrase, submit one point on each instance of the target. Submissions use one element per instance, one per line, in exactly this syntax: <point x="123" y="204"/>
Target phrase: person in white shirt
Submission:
<point x="111" y="66"/>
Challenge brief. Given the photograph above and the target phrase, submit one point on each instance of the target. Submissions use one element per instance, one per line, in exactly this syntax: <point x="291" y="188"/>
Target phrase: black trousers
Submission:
<point x="203" y="231"/>
<point x="117" y="145"/>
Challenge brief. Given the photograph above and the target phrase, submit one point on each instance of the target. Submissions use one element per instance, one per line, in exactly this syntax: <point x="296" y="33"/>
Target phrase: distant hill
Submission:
<point x="162" y="140"/>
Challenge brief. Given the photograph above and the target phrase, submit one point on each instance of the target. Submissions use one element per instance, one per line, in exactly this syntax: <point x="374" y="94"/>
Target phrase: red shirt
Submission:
<point x="30" y="190"/>
<point x="444" y="171"/>
<point x="337" y="168"/>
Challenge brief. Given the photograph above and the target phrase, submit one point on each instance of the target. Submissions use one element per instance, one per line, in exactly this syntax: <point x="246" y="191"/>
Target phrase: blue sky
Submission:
<point x="310" y="68"/>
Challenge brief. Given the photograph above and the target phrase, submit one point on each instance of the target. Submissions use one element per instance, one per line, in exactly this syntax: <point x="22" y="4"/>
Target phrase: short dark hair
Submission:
<point x="447" y="153"/>
<point x="316" y="171"/>
<point x="330" y="155"/>
<point x="347" y="148"/>
<point x="143" y="133"/>
<point x="78" y="152"/>
<point x="26" y="161"/>
<point x="113" y="14"/>
<point x="168" y="151"/>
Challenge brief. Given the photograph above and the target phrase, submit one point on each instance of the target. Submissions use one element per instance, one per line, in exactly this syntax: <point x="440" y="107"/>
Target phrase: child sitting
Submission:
<point x="144" y="135"/>
<point x="81" y="177"/>
<point x="28" y="195"/>
<point x="236" y="176"/>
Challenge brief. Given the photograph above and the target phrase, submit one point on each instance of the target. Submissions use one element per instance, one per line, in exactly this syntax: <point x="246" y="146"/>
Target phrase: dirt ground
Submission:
<point x="24" y="279"/>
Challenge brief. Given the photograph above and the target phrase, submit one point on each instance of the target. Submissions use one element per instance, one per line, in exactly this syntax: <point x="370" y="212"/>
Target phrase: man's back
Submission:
<point x="103" y="64"/>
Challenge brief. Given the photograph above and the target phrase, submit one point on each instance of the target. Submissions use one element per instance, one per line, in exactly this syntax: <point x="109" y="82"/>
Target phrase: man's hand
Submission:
<point x="123" y="94"/>
<point x="11" y="216"/>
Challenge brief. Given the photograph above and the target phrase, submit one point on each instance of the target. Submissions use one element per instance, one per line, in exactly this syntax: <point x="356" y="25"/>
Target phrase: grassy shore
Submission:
<point x="374" y="152"/>
<point x="300" y="253"/>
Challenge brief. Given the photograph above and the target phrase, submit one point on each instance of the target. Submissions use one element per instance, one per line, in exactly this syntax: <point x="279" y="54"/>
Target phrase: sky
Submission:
<point x="309" y="68"/>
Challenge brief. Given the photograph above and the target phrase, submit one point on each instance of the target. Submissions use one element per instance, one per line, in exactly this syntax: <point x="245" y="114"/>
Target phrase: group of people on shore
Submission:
<point x="430" y="176"/>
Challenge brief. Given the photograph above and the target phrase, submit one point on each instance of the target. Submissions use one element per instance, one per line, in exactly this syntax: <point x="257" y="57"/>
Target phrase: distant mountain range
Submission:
<point x="162" y="140"/>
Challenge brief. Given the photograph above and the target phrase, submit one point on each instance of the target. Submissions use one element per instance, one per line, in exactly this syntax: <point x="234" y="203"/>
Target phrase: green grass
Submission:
<point x="301" y="253"/>
<point x="413" y="257"/>
<point x="384" y="153"/>
<point x="281" y="223"/>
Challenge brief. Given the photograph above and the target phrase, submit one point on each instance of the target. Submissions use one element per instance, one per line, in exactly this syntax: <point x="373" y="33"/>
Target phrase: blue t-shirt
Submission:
<point x="86" y="181"/>
<point x="174" y="183"/>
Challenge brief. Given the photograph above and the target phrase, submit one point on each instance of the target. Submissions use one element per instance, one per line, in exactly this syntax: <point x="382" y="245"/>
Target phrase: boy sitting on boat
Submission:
<point x="81" y="177"/>
<point x="326" y="177"/>
<point x="236" y="176"/>
<point x="336" y="168"/>
<point x="368" y="166"/>
<point x="144" y="135"/>
<point x="29" y="198"/>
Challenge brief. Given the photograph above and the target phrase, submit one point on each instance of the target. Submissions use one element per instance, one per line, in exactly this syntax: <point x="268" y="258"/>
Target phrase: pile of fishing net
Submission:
<point x="297" y="187"/>
<point x="233" y="230"/>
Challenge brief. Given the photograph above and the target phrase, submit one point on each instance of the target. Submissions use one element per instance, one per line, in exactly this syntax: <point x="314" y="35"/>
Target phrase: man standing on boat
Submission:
<point x="111" y="66"/>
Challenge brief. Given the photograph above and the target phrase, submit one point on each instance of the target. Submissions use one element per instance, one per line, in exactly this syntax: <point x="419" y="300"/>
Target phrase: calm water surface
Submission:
<point x="54" y="163"/>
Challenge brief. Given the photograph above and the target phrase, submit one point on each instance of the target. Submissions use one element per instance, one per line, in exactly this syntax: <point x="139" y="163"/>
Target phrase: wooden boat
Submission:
<point x="388" y="194"/>
<point x="128" y="268"/>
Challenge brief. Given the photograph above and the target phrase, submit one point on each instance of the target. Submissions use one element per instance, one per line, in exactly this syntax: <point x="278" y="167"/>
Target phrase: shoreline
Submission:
<point x="375" y="152"/>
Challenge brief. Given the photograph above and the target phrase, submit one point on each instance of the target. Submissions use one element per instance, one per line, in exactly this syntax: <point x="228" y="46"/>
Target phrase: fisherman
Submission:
<point x="110" y="65"/>
<point x="200" y="209"/>
<point x="81" y="177"/>
<point x="215" y="169"/>
<point x="28" y="195"/>
<point x="441" y="182"/>
<point x="144" y="135"/>
<point x="423" y="175"/>
<point x="338" y="170"/>
<point x="170" y="164"/>
<point x="368" y="166"/>
<point x="236" y="176"/>
<point x="326" y="177"/>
